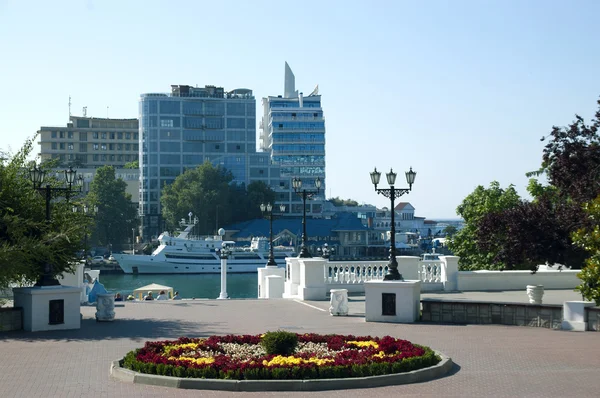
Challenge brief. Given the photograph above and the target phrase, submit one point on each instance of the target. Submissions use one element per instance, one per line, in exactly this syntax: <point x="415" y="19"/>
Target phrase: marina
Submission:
<point x="186" y="254"/>
<point x="199" y="286"/>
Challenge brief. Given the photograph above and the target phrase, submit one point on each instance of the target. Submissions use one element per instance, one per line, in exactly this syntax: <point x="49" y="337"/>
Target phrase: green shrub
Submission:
<point x="590" y="280"/>
<point x="279" y="342"/>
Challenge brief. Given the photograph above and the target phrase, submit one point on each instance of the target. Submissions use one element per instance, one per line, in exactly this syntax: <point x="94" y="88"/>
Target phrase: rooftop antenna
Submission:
<point x="85" y="111"/>
<point x="69" y="106"/>
<point x="107" y="111"/>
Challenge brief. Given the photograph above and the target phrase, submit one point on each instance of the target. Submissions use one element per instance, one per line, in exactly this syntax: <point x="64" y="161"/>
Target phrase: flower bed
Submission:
<point x="279" y="356"/>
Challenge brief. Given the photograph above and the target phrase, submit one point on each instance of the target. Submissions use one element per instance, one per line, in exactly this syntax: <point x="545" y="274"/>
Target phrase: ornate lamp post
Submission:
<point x="393" y="193"/>
<point x="37" y="175"/>
<point x="304" y="193"/>
<point x="85" y="214"/>
<point x="268" y="213"/>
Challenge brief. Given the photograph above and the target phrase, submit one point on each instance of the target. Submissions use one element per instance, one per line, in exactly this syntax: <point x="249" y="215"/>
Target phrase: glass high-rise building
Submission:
<point x="190" y="125"/>
<point x="187" y="127"/>
<point x="293" y="133"/>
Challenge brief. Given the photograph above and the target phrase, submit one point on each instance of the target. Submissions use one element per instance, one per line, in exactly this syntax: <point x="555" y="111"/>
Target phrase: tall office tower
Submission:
<point x="293" y="132"/>
<point x="87" y="143"/>
<point x="183" y="129"/>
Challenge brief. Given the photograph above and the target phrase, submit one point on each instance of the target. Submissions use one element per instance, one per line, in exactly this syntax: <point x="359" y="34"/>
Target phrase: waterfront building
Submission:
<point x="87" y="143"/>
<point x="188" y="126"/>
<point x="293" y="134"/>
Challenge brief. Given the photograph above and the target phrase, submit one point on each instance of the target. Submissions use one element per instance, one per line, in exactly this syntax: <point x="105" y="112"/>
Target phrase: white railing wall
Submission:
<point x="516" y="280"/>
<point x="312" y="278"/>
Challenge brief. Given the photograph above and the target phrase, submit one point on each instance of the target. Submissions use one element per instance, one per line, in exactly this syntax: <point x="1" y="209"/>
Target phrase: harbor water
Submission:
<point x="200" y="286"/>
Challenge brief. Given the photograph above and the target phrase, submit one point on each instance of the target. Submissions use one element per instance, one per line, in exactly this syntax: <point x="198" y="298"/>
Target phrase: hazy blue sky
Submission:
<point x="461" y="91"/>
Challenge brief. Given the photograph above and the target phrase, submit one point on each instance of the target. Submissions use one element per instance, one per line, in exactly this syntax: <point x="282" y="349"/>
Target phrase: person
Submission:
<point x="118" y="297"/>
<point x="162" y="295"/>
<point x="176" y="296"/>
<point x="130" y="297"/>
<point x="149" y="297"/>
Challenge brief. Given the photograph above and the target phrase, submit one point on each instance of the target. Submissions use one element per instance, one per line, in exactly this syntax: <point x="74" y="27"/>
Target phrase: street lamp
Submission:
<point x="37" y="175"/>
<point x="223" y="253"/>
<point x="304" y="193"/>
<point x="393" y="193"/>
<point x="85" y="214"/>
<point x="133" y="240"/>
<point x="268" y="213"/>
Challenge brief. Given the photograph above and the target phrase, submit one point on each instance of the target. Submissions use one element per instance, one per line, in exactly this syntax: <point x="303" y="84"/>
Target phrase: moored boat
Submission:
<point x="185" y="254"/>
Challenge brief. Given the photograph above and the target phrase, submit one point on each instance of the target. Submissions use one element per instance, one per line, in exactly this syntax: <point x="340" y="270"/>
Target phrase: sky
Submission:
<point x="461" y="91"/>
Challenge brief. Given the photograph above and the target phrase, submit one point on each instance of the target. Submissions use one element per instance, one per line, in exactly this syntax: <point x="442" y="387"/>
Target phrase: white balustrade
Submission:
<point x="430" y="271"/>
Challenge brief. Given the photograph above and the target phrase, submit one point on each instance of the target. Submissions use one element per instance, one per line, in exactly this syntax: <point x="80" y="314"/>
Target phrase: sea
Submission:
<point x="199" y="286"/>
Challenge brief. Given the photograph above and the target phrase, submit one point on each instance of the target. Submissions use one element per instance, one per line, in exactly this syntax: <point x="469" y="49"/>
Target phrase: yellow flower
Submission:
<point x="291" y="360"/>
<point x="361" y="344"/>
<point x="197" y="361"/>
<point x="191" y="346"/>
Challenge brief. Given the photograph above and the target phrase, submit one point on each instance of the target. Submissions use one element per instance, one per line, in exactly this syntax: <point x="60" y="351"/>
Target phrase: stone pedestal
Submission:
<point x="392" y="301"/>
<point x="265" y="272"/>
<point x="49" y="307"/>
<point x="105" y="307"/>
<point x="338" y="302"/>
<point x="574" y="315"/>
<point x="274" y="286"/>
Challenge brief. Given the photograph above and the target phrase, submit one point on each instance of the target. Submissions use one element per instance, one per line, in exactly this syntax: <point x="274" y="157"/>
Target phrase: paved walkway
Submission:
<point x="498" y="361"/>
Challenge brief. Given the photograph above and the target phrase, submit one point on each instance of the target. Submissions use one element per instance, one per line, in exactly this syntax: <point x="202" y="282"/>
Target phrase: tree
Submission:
<point x="542" y="231"/>
<point x="572" y="160"/>
<point x="589" y="239"/>
<point x="27" y="240"/>
<point x="473" y="209"/>
<point x="208" y="193"/>
<point x="450" y="231"/>
<point x="532" y="233"/>
<point x="337" y="202"/>
<point x="132" y="165"/>
<point x="116" y="214"/>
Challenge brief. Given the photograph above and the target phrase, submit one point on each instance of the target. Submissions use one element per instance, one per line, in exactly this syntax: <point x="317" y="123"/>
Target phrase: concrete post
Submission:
<point x="450" y="272"/>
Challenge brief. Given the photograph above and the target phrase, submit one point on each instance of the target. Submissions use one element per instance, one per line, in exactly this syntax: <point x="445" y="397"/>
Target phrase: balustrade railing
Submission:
<point x="430" y="271"/>
<point x="353" y="273"/>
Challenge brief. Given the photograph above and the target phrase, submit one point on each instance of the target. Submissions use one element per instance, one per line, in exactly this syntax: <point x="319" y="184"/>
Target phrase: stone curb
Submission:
<point x="415" y="376"/>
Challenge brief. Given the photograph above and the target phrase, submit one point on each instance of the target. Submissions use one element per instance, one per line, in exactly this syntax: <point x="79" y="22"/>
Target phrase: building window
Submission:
<point x="112" y="158"/>
<point x="82" y="136"/>
<point x="127" y="136"/>
<point x="119" y="147"/>
<point x="261" y="171"/>
<point x="135" y="136"/>
<point x="95" y="135"/>
<point x="95" y="158"/>
<point x="96" y="147"/>
<point x="120" y="158"/>
<point x="112" y="136"/>
<point x="103" y="147"/>
<point x="62" y="145"/>
<point x="54" y="134"/>
<point x="82" y="147"/>
<point x="128" y="147"/>
<point x="70" y="147"/>
<point x="238" y="147"/>
<point x="103" y="135"/>
<point x="70" y="134"/>
<point x="120" y="136"/>
<point x="62" y="134"/>
<point x="54" y="146"/>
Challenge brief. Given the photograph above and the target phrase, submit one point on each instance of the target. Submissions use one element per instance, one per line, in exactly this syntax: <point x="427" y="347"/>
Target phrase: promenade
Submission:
<point x="490" y="360"/>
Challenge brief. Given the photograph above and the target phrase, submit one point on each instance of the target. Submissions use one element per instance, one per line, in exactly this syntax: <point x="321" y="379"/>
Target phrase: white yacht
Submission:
<point x="185" y="254"/>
